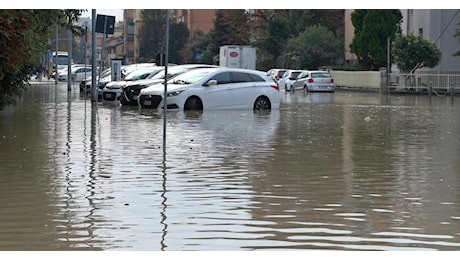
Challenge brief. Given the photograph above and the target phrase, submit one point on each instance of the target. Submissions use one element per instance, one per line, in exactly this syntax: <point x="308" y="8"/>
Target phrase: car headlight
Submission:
<point x="175" y="93"/>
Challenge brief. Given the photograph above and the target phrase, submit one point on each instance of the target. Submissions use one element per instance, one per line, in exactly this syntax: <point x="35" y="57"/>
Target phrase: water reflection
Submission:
<point x="339" y="171"/>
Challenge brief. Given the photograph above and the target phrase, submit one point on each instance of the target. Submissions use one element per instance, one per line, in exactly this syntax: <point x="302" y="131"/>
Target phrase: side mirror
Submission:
<point x="211" y="82"/>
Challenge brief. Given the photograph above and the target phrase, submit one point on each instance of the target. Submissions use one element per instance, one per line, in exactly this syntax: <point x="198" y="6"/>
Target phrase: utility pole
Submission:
<point x="166" y="79"/>
<point x="93" y="58"/>
<point x="69" y="60"/>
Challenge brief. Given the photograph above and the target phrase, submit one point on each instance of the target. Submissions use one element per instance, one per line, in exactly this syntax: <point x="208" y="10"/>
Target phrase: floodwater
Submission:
<point x="327" y="171"/>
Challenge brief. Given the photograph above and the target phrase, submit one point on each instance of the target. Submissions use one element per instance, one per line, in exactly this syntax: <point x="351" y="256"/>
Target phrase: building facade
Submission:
<point x="438" y="26"/>
<point x="194" y="19"/>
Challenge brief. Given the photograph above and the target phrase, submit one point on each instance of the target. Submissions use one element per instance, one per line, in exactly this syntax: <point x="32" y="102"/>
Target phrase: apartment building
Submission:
<point x="195" y="19"/>
<point x="438" y="26"/>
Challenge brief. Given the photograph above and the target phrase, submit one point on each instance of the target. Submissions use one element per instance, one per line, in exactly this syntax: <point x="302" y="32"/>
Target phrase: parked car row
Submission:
<point x="306" y="80"/>
<point x="213" y="88"/>
<point x="78" y="72"/>
<point x="130" y="92"/>
<point x="112" y="90"/>
<point x="203" y="87"/>
<point x="105" y="77"/>
<point x="189" y="87"/>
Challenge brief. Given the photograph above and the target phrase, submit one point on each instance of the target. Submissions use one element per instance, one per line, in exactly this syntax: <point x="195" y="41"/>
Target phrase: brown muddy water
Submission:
<point x="327" y="171"/>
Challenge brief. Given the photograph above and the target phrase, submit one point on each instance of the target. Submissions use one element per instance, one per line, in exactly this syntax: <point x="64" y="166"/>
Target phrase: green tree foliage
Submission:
<point x="231" y="27"/>
<point x="315" y="47"/>
<point x="180" y="35"/>
<point x="410" y="52"/>
<point x="152" y="34"/>
<point x="198" y="44"/>
<point x="278" y="30"/>
<point x="23" y="40"/>
<point x="276" y="27"/>
<point x="153" y="40"/>
<point x="372" y="29"/>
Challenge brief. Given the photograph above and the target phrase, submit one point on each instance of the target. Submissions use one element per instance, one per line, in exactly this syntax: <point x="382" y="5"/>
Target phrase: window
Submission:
<point x="302" y="75"/>
<point x="294" y="75"/>
<point x="320" y="75"/>
<point x="222" y="78"/>
<point x="255" y="78"/>
<point x="240" y="77"/>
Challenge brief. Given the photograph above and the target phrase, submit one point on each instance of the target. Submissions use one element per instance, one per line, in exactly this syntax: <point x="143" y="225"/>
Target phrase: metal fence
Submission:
<point x="424" y="81"/>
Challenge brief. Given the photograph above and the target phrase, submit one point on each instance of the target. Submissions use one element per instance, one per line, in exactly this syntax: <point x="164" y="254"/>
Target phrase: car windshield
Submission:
<point x="138" y="74"/>
<point x="295" y="74"/>
<point x="192" y="76"/>
<point x="106" y="72"/>
<point x="174" y="71"/>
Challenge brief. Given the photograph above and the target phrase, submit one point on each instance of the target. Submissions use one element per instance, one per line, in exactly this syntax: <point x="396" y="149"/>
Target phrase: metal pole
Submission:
<point x="86" y="43"/>
<point x="93" y="58"/>
<point x="69" y="63"/>
<point x="56" y="55"/>
<point x="166" y="80"/>
<point x="388" y="64"/>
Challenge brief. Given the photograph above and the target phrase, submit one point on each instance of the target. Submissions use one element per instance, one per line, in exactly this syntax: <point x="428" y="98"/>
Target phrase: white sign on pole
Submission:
<point x="116" y="70"/>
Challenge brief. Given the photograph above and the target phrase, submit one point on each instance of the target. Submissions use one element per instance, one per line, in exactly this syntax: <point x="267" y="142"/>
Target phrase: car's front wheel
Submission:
<point x="193" y="103"/>
<point x="262" y="103"/>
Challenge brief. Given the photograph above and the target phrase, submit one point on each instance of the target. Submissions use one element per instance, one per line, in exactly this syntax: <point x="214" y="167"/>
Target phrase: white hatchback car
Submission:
<point x="288" y="77"/>
<point x="77" y="72"/>
<point x="214" y="88"/>
<point x="314" y="81"/>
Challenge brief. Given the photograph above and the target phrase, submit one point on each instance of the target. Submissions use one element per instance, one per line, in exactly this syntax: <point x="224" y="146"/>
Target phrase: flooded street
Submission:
<point x="329" y="171"/>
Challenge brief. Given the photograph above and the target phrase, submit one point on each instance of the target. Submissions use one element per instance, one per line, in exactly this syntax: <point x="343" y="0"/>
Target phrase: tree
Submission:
<point x="23" y="40"/>
<point x="231" y="27"/>
<point x="274" y="43"/>
<point x="275" y="27"/>
<point x="152" y="34"/>
<point x="411" y="52"/>
<point x="179" y="36"/>
<point x="315" y="47"/>
<point x="372" y="29"/>
<point x="198" y="45"/>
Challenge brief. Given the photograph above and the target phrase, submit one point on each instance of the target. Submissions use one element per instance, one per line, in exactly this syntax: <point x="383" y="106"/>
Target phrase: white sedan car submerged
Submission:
<point x="214" y="88"/>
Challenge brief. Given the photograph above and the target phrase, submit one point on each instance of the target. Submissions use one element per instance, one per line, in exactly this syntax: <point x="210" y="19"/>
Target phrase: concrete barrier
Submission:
<point x="365" y="80"/>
